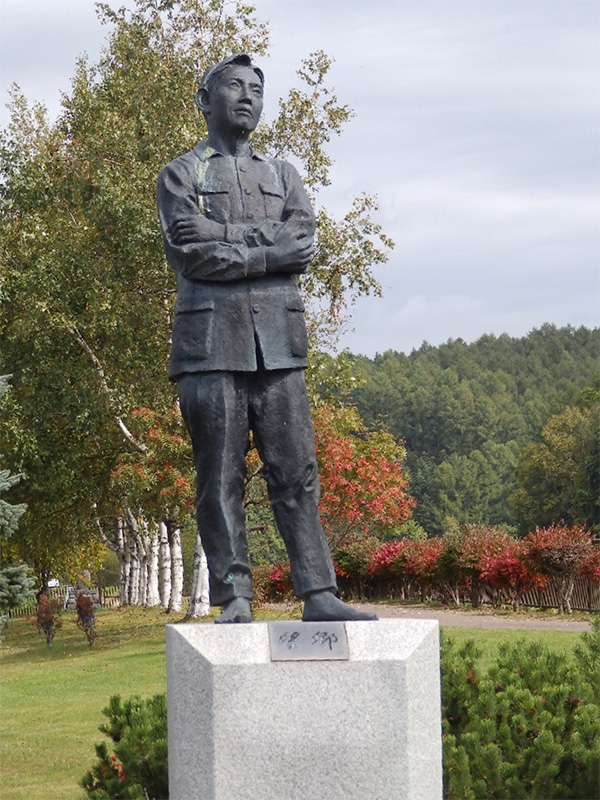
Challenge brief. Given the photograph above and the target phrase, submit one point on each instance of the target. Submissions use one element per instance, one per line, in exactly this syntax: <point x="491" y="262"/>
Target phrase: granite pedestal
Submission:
<point x="245" y="727"/>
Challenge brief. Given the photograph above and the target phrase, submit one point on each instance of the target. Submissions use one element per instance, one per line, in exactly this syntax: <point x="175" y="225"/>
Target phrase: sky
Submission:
<point x="476" y="123"/>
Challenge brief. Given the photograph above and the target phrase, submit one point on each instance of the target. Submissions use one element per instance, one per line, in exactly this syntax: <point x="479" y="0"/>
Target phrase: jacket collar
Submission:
<point x="204" y="152"/>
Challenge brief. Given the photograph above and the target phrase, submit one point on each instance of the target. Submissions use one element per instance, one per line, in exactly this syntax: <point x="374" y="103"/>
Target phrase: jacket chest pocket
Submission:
<point x="192" y="331"/>
<point x="214" y="202"/>
<point x="273" y="200"/>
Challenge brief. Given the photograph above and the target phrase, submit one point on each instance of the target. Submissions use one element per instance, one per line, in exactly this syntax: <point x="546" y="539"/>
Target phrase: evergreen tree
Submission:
<point x="16" y="585"/>
<point x="9" y="513"/>
<point x="137" y="768"/>
<point x="466" y="411"/>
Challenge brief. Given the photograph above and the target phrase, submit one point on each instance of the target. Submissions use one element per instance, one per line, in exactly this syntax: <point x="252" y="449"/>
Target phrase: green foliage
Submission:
<point x="466" y="411"/>
<point x="459" y="682"/>
<point x="9" y="514"/>
<point x="330" y="380"/>
<point x="558" y="477"/>
<point x="529" y="727"/>
<point x="410" y="530"/>
<point x="16" y="586"/>
<point x="587" y="655"/>
<point x="351" y="562"/>
<point x="265" y="545"/>
<point x="137" y="768"/>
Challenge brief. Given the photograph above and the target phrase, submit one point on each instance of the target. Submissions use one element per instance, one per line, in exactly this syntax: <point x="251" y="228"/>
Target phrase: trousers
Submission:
<point x="220" y="409"/>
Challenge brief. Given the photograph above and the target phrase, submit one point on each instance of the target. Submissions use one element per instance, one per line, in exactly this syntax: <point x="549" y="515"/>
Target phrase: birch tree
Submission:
<point x="157" y="480"/>
<point x="199" y="600"/>
<point x="87" y="321"/>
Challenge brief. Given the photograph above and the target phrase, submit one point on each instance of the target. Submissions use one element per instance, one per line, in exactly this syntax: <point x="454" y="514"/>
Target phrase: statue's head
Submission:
<point x="231" y="93"/>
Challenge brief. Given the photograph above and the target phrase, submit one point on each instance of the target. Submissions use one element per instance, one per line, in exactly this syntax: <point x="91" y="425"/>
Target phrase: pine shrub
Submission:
<point x="529" y="728"/>
<point x="137" y="767"/>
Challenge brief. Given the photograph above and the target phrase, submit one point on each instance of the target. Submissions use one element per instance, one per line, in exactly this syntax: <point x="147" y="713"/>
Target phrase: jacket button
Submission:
<point x="255" y="307"/>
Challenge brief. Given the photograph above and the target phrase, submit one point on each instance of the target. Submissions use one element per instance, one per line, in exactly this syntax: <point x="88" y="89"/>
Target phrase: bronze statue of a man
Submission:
<point x="238" y="228"/>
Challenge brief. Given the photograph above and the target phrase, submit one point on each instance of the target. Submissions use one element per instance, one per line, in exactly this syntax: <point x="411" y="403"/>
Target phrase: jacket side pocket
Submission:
<point x="298" y="337"/>
<point x="192" y="332"/>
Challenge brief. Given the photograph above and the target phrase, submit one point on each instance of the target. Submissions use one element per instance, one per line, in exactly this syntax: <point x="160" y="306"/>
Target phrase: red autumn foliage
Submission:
<point x="589" y="569"/>
<point x="340" y="572"/>
<point x="478" y="543"/>
<point x="366" y="566"/>
<point x="86" y="618"/>
<point x="363" y="488"/>
<point x="388" y="559"/>
<point x="509" y="573"/>
<point x="563" y="552"/>
<point x="117" y="765"/>
<point x="560" y="549"/>
<point x="46" y="619"/>
<point x="423" y="560"/>
<point x="280" y="580"/>
<point x="162" y="477"/>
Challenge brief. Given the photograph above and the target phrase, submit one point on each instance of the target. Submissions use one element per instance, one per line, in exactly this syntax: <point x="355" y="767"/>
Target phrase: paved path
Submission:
<point x="473" y="619"/>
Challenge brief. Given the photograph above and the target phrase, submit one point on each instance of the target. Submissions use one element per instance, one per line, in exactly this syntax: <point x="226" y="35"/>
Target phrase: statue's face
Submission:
<point x="235" y="100"/>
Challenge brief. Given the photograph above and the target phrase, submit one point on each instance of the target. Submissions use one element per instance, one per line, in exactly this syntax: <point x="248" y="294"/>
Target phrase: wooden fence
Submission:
<point x="62" y="597"/>
<point x="586" y="597"/>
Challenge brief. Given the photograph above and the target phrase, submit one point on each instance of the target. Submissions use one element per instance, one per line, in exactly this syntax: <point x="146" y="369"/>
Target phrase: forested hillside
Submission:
<point x="503" y="430"/>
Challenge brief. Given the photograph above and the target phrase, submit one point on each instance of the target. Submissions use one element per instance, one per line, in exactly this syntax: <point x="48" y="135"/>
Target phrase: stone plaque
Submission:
<point x="308" y="641"/>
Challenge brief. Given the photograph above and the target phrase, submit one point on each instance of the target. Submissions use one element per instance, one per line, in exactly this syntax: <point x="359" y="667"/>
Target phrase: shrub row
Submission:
<point x="475" y="561"/>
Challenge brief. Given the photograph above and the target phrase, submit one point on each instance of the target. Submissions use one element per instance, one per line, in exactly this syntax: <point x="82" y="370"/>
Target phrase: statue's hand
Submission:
<point x="292" y="249"/>
<point x="196" y="230"/>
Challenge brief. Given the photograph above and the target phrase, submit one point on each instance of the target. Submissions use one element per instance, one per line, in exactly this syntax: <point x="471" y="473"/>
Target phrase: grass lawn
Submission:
<point x="489" y="640"/>
<point x="51" y="699"/>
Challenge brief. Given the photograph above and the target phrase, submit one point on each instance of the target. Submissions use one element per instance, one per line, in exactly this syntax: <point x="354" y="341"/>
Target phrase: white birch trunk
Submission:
<point x="140" y="542"/>
<point x="199" y="600"/>
<point x="165" y="566"/>
<point x="127" y="566"/>
<point x="175" y="601"/>
<point x="153" y="596"/>
<point x="137" y="576"/>
<point x="123" y="563"/>
<point x="134" y="572"/>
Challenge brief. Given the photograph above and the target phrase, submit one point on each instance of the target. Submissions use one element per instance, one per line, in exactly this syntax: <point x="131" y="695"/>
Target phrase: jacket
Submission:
<point x="228" y="307"/>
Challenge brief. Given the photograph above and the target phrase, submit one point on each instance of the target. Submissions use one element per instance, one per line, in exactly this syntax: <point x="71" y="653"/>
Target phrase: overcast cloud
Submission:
<point x="477" y="124"/>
